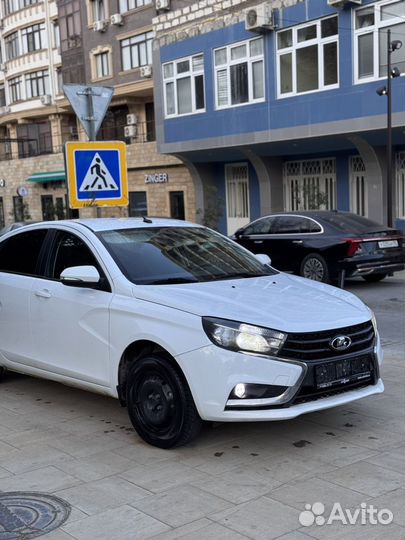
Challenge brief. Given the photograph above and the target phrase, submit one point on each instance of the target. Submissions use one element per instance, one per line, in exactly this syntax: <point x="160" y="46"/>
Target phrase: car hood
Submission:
<point x="282" y="302"/>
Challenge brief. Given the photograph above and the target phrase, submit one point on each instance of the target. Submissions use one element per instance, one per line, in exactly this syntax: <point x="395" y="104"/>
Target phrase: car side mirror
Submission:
<point x="264" y="259"/>
<point x="80" y="276"/>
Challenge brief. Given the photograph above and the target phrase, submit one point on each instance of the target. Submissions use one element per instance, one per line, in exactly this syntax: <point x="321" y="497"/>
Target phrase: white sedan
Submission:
<point x="180" y="324"/>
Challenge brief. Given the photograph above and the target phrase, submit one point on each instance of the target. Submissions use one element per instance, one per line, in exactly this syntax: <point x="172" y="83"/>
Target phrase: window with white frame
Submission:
<point x="136" y="51"/>
<point x="310" y="184"/>
<point x="98" y="10"/>
<point x="127" y="5"/>
<point x="33" y="38"/>
<point x="370" y="35"/>
<point x="358" y="186"/>
<point x="15" y="89"/>
<point x="307" y="57"/>
<point x="239" y="73"/>
<point x="37" y="84"/>
<point x="184" y="86"/>
<point x="102" y="64"/>
<point x="12" y="46"/>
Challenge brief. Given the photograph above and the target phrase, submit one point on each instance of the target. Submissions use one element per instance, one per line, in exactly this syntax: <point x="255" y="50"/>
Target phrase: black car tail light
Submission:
<point x="353" y="247"/>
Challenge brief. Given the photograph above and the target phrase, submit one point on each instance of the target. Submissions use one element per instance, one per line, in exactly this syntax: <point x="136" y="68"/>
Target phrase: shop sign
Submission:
<point x="158" y="178"/>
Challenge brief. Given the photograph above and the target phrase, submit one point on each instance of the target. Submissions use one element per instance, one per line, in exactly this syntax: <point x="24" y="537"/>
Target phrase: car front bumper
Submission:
<point x="212" y="374"/>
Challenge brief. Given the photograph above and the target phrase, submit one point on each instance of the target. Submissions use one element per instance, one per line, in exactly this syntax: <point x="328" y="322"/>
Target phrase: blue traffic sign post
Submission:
<point x="96" y="174"/>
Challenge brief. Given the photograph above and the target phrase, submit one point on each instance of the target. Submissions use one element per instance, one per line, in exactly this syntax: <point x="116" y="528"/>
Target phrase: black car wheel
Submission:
<point x="2" y="373"/>
<point x="373" y="278"/>
<point x="314" y="267"/>
<point x="160" y="405"/>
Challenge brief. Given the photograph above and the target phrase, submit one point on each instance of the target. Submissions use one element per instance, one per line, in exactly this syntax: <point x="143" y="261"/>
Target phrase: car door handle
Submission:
<point x="297" y="241"/>
<point x="258" y="241"/>
<point x="43" y="293"/>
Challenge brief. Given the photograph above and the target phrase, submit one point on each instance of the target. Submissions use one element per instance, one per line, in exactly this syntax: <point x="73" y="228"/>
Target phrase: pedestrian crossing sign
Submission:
<point x="96" y="173"/>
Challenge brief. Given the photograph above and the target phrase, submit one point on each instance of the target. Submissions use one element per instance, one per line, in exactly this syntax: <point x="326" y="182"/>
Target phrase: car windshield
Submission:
<point x="170" y="255"/>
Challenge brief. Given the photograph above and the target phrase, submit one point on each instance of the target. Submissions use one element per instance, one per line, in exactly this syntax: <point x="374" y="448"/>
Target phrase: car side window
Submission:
<point x="295" y="225"/>
<point x="20" y="253"/>
<point x="262" y="226"/>
<point x="69" y="250"/>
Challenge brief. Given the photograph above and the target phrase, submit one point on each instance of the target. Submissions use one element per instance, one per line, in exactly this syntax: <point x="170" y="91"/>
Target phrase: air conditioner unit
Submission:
<point x="342" y="3"/>
<point x="46" y="99"/>
<point x="132" y="119"/>
<point x="146" y="72"/>
<point x="259" y="18"/>
<point x="130" y="132"/>
<point x="162" y="5"/>
<point x="100" y="26"/>
<point x="117" y="19"/>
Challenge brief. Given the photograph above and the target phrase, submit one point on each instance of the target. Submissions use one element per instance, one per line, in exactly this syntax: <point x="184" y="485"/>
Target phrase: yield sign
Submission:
<point x="90" y="104"/>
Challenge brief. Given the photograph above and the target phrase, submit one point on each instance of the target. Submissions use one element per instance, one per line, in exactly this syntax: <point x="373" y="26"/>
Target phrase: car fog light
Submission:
<point x="240" y="390"/>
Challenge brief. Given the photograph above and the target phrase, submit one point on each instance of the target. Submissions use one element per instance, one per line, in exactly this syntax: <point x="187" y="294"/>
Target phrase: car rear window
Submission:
<point x="352" y="223"/>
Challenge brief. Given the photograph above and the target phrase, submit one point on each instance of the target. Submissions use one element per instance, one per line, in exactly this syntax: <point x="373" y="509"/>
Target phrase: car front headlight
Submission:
<point x="241" y="337"/>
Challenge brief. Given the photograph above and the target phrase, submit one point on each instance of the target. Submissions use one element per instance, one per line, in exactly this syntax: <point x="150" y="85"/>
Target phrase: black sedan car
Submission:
<point x="319" y="245"/>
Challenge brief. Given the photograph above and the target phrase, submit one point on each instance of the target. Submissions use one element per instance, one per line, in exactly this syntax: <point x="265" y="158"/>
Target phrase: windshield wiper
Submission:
<point x="172" y="281"/>
<point x="239" y="275"/>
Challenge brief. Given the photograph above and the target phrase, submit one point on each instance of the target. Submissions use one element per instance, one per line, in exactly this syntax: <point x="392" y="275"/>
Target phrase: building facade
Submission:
<point x="48" y="43"/>
<point x="274" y="105"/>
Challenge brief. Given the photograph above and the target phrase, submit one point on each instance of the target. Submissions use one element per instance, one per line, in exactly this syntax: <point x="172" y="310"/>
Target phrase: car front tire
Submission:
<point x="160" y="405"/>
<point x="314" y="267"/>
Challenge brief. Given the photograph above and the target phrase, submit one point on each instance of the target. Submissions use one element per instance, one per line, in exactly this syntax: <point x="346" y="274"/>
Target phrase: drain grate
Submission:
<point x="26" y="515"/>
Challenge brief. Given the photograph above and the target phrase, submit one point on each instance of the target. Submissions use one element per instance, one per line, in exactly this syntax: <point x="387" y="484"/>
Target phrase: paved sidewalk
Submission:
<point x="240" y="481"/>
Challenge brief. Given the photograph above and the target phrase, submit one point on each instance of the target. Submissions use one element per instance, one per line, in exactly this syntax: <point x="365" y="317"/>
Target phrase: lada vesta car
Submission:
<point x="180" y="323"/>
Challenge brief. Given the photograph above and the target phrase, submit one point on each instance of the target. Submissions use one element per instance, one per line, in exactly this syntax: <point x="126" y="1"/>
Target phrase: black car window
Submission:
<point x="69" y="250"/>
<point x="20" y="253"/>
<point x="261" y="226"/>
<point x="352" y="223"/>
<point x="294" y="225"/>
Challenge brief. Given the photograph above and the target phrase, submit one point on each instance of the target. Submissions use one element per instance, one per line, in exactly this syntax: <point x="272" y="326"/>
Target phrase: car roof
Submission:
<point x="111" y="224"/>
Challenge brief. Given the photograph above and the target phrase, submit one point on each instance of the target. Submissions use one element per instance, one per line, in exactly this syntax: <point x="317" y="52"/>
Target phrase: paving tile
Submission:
<point x="214" y="531"/>
<point x="366" y="478"/>
<point x="30" y="436"/>
<point x="162" y="475"/>
<point x="48" y="479"/>
<point x="83" y="446"/>
<point x="181" y="505"/>
<point x="96" y="466"/>
<point x="123" y="523"/>
<point x="28" y="459"/>
<point x="94" y="497"/>
<point x="394" y="501"/>
<point x="239" y="485"/>
<point x="394" y="459"/>
<point x="339" y="531"/>
<point x="308" y="491"/>
<point x="261" y="519"/>
<point x="143" y="453"/>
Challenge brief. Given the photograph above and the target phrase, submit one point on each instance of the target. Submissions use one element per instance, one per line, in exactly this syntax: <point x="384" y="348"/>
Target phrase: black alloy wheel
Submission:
<point x="373" y="278"/>
<point x="160" y="405"/>
<point x="314" y="267"/>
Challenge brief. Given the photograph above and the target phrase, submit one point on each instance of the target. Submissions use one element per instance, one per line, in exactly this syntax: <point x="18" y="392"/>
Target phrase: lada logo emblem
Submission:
<point x="340" y="343"/>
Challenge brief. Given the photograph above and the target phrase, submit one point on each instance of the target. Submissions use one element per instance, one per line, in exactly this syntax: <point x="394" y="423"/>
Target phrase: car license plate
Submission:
<point x="342" y="372"/>
<point x="388" y="243"/>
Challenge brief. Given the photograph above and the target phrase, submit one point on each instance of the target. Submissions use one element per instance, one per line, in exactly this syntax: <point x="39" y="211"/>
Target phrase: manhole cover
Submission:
<point x="29" y="515"/>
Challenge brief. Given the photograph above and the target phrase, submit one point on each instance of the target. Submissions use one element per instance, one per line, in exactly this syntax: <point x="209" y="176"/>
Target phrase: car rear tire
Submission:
<point x="373" y="278"/>
<point x="314" y="267"/>
<point x="160" y="405"/>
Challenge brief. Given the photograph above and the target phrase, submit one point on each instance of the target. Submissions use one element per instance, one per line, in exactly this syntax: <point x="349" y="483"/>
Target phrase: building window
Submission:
<point x="239" y="73"/>
<point x="2" y="96"/>
<point x="371" y="24"/>
<point x="310" y="184"/>
<point x="70" y="25"/>
<point x="98" y="10"/>
<point x="127" y="5"/>
<point x="2" y="221"/>
<point x="12" y="46"/>
<point x="184" y="86"/>
<point x="10" y="6"/>
<point x="358" y="186"/>
<point x="18" y="208"/>
<point x="400" y="183"/>
<point x="34" y="139"/>
<point x="48" y="211"/>
<point x="15" y="87"/>
<point x="136" y="51"/>
<point x="102" y="64"/>
<point x="37" y="84"/>
<point x="33" y="38"/>
<point x="56" y="34"/>
<point x="307" y="57"/>
<point x="138" y="206"/>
